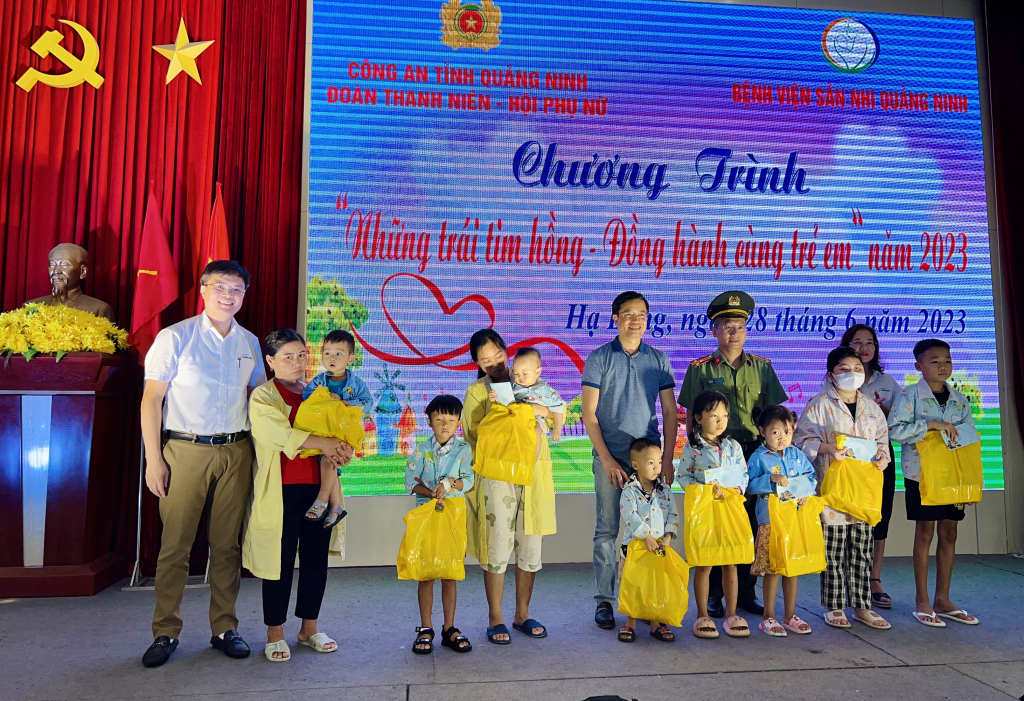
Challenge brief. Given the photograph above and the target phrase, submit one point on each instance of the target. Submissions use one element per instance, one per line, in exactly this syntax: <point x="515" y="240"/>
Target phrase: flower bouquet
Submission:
<point x="39" y="328"/>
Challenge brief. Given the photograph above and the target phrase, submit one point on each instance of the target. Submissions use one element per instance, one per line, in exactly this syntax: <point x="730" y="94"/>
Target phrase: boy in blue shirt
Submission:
<point x="337" y="353"/>
<point x="932" y="405"/>
<point x="440" y="467"/>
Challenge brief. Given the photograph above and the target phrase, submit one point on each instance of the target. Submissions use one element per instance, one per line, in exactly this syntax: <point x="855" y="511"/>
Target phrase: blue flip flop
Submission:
<point x="498" y="630"/>
<point x="527" y="626"/>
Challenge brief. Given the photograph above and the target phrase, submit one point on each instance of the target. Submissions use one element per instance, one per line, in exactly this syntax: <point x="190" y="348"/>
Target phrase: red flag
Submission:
<point x="156" y="280"/>
<point x="215" y="240"/>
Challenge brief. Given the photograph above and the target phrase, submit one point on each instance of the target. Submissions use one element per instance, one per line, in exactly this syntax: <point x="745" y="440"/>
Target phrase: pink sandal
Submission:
<point x="770" y="626"/>
<point x="797" y="625"/>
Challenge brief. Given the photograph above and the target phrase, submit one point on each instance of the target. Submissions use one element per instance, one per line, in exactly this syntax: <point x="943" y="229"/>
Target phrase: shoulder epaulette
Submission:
<point x="760" y="357"/>
<point x="701" y="361"/>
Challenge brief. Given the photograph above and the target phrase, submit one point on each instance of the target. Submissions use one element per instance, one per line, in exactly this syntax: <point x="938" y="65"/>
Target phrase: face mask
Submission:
<point x="848" y="380"/>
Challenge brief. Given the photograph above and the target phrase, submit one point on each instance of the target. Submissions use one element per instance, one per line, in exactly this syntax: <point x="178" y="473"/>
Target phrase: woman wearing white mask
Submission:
<point x="841" y="409"/>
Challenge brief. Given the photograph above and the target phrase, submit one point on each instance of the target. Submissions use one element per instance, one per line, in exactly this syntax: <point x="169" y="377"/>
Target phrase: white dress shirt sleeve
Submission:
<point x="162" y="358"/>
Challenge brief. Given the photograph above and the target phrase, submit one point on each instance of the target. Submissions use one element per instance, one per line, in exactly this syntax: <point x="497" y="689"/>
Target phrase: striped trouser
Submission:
<point x="847" y="579"/>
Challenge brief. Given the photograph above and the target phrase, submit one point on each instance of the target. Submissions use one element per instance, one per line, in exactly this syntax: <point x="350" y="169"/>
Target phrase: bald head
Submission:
<point x="67" y="269"/>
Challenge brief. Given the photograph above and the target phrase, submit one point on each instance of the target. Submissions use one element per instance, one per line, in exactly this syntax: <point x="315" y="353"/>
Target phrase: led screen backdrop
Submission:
<point x="516" y="165"/>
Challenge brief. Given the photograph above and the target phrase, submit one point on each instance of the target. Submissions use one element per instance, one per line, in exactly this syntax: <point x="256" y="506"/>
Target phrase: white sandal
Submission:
<point x="923" y="618"/>
<point x="318" y="640"/>
<point x="954" y="616"/>
<point x="277" y="646"/>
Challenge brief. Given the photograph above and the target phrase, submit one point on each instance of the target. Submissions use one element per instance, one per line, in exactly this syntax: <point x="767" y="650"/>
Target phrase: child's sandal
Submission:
<point x="627" y="635"/>
<point x="454" y="639"/>
<point x="424" y="644"/>
<point x="797" y="625"/>
<point x="317" y="510"/>
<point x="334" y="517"/>
<point x="663" y="634"/>
<point x="705" y="628"/>
<point x="739" y="629"/>
<point x="770" y="626"/>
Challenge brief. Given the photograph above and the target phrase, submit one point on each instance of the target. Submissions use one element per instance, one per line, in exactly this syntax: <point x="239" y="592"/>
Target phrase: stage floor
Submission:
<point x="90" y="648"/>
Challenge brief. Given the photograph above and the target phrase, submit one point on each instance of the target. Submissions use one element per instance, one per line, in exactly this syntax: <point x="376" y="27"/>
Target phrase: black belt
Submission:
<point x="218" y="439"/>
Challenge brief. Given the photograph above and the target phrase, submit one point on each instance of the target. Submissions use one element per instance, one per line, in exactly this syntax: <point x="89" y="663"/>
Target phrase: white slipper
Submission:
<point x="279" y="646"/>
<point x="952" y="615"/>
<point x="317" y="642"/>
<point x="871" y="619"/>
<point x="923" y="618"/>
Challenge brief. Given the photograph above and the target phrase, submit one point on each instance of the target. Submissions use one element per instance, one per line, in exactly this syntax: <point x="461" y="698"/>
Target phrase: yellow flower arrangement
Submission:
<point x="39" y="328"/>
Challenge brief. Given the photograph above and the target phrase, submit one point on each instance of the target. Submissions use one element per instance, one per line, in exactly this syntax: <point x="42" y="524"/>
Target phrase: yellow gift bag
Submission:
<point x="797" y="543"/>
<point x="506" y="444"/>
<point x="949" y="476"/>
<point x="434" y="544"/>
<point x="854" y="487"/>
<point x="716" y="531"/>
<point x="654" y="586"/>
<point x="329" y="418"/>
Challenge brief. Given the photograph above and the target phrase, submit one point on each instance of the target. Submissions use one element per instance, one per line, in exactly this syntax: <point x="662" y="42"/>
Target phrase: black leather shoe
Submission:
<point x="715" y="607"/>
<point x="604" y="617"/>
<point x="751" y="605"/>
<point x="231" y="645"/>
<point x="160" y="651"/>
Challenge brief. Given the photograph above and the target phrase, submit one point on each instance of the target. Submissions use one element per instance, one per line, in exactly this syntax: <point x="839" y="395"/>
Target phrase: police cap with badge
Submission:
<point x="731" y="304"/>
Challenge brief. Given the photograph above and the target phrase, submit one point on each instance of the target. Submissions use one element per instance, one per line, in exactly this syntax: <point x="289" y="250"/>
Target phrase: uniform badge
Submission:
<point x="470" y="26"/>
<point x="734" y="301"/>
<point x="717" y="381"/>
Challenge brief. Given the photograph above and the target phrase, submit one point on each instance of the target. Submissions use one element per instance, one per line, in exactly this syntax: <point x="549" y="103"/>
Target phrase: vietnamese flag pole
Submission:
<point x="215" y="240"/>
<point x="156" y="280"/>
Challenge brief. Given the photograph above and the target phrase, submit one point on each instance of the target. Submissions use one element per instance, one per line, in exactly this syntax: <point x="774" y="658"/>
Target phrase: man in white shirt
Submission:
<point x="200" y="371"/>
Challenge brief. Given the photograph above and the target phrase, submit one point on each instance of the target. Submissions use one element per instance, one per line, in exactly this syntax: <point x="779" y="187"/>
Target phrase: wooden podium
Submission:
<point x="69" y="465"/>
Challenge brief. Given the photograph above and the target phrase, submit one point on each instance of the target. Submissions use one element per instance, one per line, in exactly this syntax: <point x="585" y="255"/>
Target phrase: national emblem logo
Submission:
<point x="470" y="25"/>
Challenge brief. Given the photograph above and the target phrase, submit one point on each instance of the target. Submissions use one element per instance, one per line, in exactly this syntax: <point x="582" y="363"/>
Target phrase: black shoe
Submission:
<point x="160" y="651"/>
<point x="751" y="605"/>
<point x="715" y="607"/>
<point x="231" y="645"/>
<point x="604" y="617"/>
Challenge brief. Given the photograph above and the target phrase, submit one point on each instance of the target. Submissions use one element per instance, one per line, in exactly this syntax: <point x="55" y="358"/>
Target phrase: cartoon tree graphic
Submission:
<point x="328" y="307"/>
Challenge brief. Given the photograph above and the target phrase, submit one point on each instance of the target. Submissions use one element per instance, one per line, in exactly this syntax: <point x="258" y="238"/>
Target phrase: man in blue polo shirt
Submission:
<point x="622" y="380"/>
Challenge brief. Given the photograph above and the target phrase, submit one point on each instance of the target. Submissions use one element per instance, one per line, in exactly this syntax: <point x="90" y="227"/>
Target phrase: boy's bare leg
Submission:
<point x="945" y="555"/>
<point x="730" y="587"/>
<point x="328" y="479"/>
<point x="559" y="423"/>
<point x="700" y="589"/>
<point x="923" y="533"/>
<point x="524" y="592"/>
<point x="448" y="598"/>
<point x="494" y="588"/>
<point x="425" y="595"/>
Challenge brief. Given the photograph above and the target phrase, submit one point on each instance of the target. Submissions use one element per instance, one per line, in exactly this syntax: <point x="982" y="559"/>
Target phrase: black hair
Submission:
<point x="480" y="339"/>
<point x="928" y="344"/>
<point x="224" y="267"/>
<point x="341" y="336"/>
<point x="838" y="355"/>
<point x="444" y="404"/>
<point x="641" y="444"/>
<point x="528" y="352"/>
<point x="848" y="335"/>
<point x="763" y="418"/>
<point x="276" y="339"/>
<point x="627" y="297"/>
<point x="707" y="399"/>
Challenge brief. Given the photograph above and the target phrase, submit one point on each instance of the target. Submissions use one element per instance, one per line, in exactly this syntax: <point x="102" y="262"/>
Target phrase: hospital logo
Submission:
<point x="849" y="45"/>
<point x="470" y="25"/>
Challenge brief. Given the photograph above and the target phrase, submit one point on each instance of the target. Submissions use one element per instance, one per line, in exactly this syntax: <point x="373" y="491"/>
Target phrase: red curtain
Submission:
<point x="75" y="163"/>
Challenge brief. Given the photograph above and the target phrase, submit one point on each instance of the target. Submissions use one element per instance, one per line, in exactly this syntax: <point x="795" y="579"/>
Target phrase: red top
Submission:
<point x="296" y="470"/>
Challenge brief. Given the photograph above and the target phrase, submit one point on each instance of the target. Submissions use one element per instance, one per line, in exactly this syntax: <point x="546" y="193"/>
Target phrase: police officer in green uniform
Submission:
<point x="748" y="381"/>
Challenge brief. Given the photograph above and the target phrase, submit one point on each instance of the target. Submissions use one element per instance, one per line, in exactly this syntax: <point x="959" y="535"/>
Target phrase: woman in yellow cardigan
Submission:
<point x="505" y="518"/>
<point x="284" y="486"/>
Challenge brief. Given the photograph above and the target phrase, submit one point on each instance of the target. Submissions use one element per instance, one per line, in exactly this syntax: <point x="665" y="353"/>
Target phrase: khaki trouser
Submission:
<point x="196" y="472"/>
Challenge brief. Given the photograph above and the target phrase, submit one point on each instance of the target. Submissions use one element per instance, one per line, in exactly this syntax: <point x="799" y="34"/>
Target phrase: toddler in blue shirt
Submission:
<point x="771" y="469"/>
<point x="337" y="353"/>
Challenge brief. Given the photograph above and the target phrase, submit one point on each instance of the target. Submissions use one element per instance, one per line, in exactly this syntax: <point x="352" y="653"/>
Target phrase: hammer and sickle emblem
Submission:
<point x="82" y="70"/>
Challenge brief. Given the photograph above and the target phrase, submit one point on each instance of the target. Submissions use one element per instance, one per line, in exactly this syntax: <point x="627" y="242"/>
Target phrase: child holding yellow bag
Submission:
<point x="440" y="468"/>
<point x="840" y="409"/>
<point x="337" y="353"/>
<point x="774" y="468"/>
<point x="921" y="411"/>
<point x="709" y="458"/>
<point x="649" y="511"/>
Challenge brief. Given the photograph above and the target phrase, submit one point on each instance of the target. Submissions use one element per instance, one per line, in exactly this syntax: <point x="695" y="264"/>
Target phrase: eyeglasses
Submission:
<point x="732" y="328"/>
<point x="222" y="289"/>
<point x="630" y="316"/>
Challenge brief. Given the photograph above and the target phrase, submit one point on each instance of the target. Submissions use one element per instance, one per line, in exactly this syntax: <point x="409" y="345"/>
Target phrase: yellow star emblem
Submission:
<point x="182" y="54"/>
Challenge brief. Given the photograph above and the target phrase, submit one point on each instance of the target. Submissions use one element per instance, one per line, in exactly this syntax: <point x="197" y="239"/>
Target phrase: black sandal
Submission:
<point x="422" y="639"/>
<point x="627" y="635"/>
<point x="454" y="639"/>
<point x="334" y="517"/>
<point x="877" y="597"/>
<point x="663" y="634"/>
